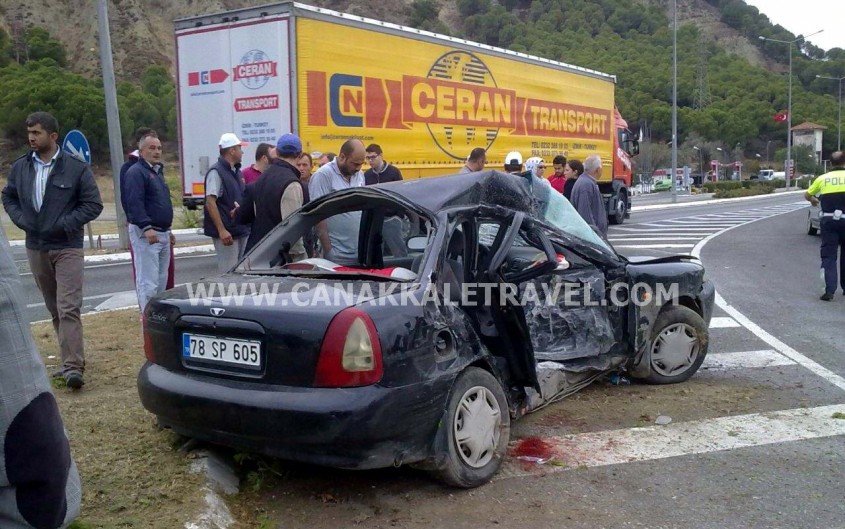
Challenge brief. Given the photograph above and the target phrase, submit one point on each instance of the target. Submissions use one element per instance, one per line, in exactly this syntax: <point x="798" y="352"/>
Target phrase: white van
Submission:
<point x="766" y="174"/>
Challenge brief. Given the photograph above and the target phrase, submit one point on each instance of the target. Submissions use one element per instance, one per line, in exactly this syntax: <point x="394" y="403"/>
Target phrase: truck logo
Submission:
<point x="207" y="77"/>
<point x="255" y="69"/>
<point x="458" y="102"/>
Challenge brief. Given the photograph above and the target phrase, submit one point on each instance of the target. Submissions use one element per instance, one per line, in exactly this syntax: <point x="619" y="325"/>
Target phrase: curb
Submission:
<point x="125" y="256"/>
<point x="709" y="202"/>
<point x="112" y="236"/>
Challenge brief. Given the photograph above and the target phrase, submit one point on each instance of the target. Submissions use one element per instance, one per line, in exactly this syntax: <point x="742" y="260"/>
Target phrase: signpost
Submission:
<point x="76" y="144"/>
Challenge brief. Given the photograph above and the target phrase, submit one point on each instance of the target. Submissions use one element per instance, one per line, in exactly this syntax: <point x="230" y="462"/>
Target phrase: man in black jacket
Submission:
<point x="275" y="195"/>
<point x="150" y="216"/>
<point x="52" y="196"/>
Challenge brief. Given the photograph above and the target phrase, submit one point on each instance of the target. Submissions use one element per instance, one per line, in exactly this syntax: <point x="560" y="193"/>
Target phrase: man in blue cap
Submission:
<point x="275" y="195"/>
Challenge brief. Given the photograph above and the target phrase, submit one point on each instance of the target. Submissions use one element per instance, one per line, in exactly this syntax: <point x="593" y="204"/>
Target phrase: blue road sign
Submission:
<point x="77" y="145"/>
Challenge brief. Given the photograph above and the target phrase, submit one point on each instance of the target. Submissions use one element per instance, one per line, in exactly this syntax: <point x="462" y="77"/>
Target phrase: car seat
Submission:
<point x="453" y="269"/>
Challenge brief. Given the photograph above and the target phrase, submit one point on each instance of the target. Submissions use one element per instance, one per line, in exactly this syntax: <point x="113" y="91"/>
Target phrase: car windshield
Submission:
<point x="356" y="235"/>
<point x="560" y="213"/>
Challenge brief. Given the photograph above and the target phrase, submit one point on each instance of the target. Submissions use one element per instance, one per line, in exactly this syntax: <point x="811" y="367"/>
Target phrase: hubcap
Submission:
<point x="675" y="349"/>
<point x="476" y="427"/>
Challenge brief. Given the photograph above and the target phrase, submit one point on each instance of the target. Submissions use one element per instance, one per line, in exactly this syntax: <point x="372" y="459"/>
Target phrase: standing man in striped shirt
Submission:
<point x="52" y="196"/>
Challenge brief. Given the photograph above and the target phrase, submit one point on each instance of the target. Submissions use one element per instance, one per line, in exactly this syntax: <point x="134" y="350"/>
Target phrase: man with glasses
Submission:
<point x="380" y="172"/>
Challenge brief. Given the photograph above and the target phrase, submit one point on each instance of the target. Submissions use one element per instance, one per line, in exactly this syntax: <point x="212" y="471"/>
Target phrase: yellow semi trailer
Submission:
<point x="427" y="99"/>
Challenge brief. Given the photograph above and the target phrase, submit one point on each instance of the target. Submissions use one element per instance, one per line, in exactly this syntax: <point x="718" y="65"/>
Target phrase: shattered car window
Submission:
<point x="352" y="235"/>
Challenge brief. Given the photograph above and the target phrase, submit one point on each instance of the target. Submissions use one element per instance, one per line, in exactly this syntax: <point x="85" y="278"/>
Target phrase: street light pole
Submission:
<point x="112" y="116"/>
<point x="674" y="100"/>
<point x="839" y="128"/>
<point x="788" y="163"/>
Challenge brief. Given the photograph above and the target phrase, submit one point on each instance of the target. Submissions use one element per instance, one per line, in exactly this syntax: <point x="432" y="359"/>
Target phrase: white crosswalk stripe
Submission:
<point x="682" y="233"/>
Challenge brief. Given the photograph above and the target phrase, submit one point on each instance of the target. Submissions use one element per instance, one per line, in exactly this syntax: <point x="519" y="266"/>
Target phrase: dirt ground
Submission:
<point x="132" y="472"/>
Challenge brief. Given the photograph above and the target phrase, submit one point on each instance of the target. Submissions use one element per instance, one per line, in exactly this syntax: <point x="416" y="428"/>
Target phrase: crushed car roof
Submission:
<point x="469" y="189"/>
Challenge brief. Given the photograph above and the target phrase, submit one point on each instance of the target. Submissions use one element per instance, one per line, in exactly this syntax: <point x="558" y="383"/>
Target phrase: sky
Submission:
<point x="803" y="17"/>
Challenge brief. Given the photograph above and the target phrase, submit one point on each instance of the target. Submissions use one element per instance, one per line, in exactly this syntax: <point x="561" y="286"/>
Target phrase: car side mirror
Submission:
<point x="418" y="243"/>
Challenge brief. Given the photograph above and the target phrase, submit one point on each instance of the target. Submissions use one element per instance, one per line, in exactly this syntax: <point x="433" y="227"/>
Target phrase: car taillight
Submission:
<point x="351" y="354"/>
<point x="148" y="343"/>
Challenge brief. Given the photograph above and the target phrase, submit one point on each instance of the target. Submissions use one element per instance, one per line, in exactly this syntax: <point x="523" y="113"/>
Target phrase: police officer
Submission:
<point x="831" y="190"/>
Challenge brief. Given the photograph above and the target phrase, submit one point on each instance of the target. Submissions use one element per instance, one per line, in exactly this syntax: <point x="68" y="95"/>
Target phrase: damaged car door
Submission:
<point x="501" y="316"/>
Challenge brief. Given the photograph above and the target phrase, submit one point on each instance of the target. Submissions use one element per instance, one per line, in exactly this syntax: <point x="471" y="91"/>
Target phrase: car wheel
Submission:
<point x="474" y="433"/>
<point x="677" y="347"/>
<point x="811" y="230"/>
<point x="621" y="207"/>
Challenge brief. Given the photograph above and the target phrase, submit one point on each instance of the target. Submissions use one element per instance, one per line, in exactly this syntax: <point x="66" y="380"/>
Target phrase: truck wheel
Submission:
<point x="618" y="217"/>
<point x="677" y="347"/>
<point x="474" y="433"/>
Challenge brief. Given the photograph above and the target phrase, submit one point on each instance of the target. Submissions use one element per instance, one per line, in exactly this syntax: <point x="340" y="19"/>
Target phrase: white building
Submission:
<point x="809" y="134"/>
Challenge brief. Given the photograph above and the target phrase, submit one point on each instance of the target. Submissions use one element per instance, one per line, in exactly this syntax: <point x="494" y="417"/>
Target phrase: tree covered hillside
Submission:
<point x="633" y="40"/>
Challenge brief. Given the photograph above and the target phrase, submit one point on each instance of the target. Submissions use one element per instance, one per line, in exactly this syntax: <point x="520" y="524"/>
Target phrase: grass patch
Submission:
<point x="132" y="473"/>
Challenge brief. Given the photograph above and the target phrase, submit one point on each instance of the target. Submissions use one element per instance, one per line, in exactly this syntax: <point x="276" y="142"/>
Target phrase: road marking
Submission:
<point x="663" y="227"/>
<point x="654" y="246"/>
<point x="614" y="447"/>
<point x="625" y="239"/>
<point x="745" y="360"/>
<point x="663" y="233"/>
<point x="756" y="330"/>
<point x="723" y="322"/>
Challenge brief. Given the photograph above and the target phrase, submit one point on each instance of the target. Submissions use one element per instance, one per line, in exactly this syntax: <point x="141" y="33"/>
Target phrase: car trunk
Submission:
<point x="263" y="329"/>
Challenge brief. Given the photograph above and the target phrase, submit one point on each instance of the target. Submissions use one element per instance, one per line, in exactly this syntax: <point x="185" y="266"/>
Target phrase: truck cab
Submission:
<point x="616" y="189"/>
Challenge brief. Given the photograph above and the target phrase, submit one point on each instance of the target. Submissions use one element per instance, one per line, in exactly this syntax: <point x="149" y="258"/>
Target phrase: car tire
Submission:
<point x="811" y="230"/>
<point x="621" y="208"/>
<point x="473" y="436"/>
<point x="678" y="345"/>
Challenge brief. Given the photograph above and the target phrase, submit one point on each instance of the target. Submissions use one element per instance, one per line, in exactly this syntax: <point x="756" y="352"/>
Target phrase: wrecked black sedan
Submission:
<point x="499" y="300"/>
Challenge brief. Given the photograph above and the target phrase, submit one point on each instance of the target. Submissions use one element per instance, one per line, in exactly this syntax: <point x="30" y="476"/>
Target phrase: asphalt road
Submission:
<point x="111" y="283"/>
<point x="752" y="439"/>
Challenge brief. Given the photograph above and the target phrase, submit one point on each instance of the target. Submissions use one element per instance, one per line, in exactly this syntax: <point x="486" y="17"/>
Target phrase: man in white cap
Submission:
<point x="224" y="191"/>
<point x="513" y="163"/>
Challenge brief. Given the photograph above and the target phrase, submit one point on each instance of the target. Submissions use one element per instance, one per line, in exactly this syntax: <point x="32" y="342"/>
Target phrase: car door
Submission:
<point x="575" y="311"/>
<point x="501" y="318"/>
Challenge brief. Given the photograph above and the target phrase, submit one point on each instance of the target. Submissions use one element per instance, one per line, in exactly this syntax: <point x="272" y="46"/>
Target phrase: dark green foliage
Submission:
<point x="424" y="15"/>
<point x="41" y="45"/>
<point x="42" y="83"/>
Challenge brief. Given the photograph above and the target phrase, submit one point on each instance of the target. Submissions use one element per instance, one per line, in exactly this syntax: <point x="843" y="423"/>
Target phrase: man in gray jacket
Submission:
<point x="586" y="196"/>
<point x="39" y="482"/>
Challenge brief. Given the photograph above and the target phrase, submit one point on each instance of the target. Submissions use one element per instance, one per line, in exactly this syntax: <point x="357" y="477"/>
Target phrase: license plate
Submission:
<point x="228" y="351"/>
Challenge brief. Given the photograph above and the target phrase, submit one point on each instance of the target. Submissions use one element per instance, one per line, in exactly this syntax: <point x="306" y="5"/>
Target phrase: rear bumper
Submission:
<point x="366" y="427"/>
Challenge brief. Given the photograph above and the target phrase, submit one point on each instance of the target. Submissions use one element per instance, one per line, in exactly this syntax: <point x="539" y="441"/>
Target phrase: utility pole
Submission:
<point x="112" y="116"/>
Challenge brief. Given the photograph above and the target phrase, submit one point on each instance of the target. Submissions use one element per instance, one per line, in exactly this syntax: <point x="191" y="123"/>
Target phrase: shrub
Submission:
<point x="713" y="187"/>
<point x="742" y="192"/>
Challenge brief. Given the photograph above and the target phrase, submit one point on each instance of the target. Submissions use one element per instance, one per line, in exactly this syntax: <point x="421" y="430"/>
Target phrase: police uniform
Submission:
<point x="830" y="188"/>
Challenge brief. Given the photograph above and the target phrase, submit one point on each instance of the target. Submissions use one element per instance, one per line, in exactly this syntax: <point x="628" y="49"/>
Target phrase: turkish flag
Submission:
<point x="780" y="117"/>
